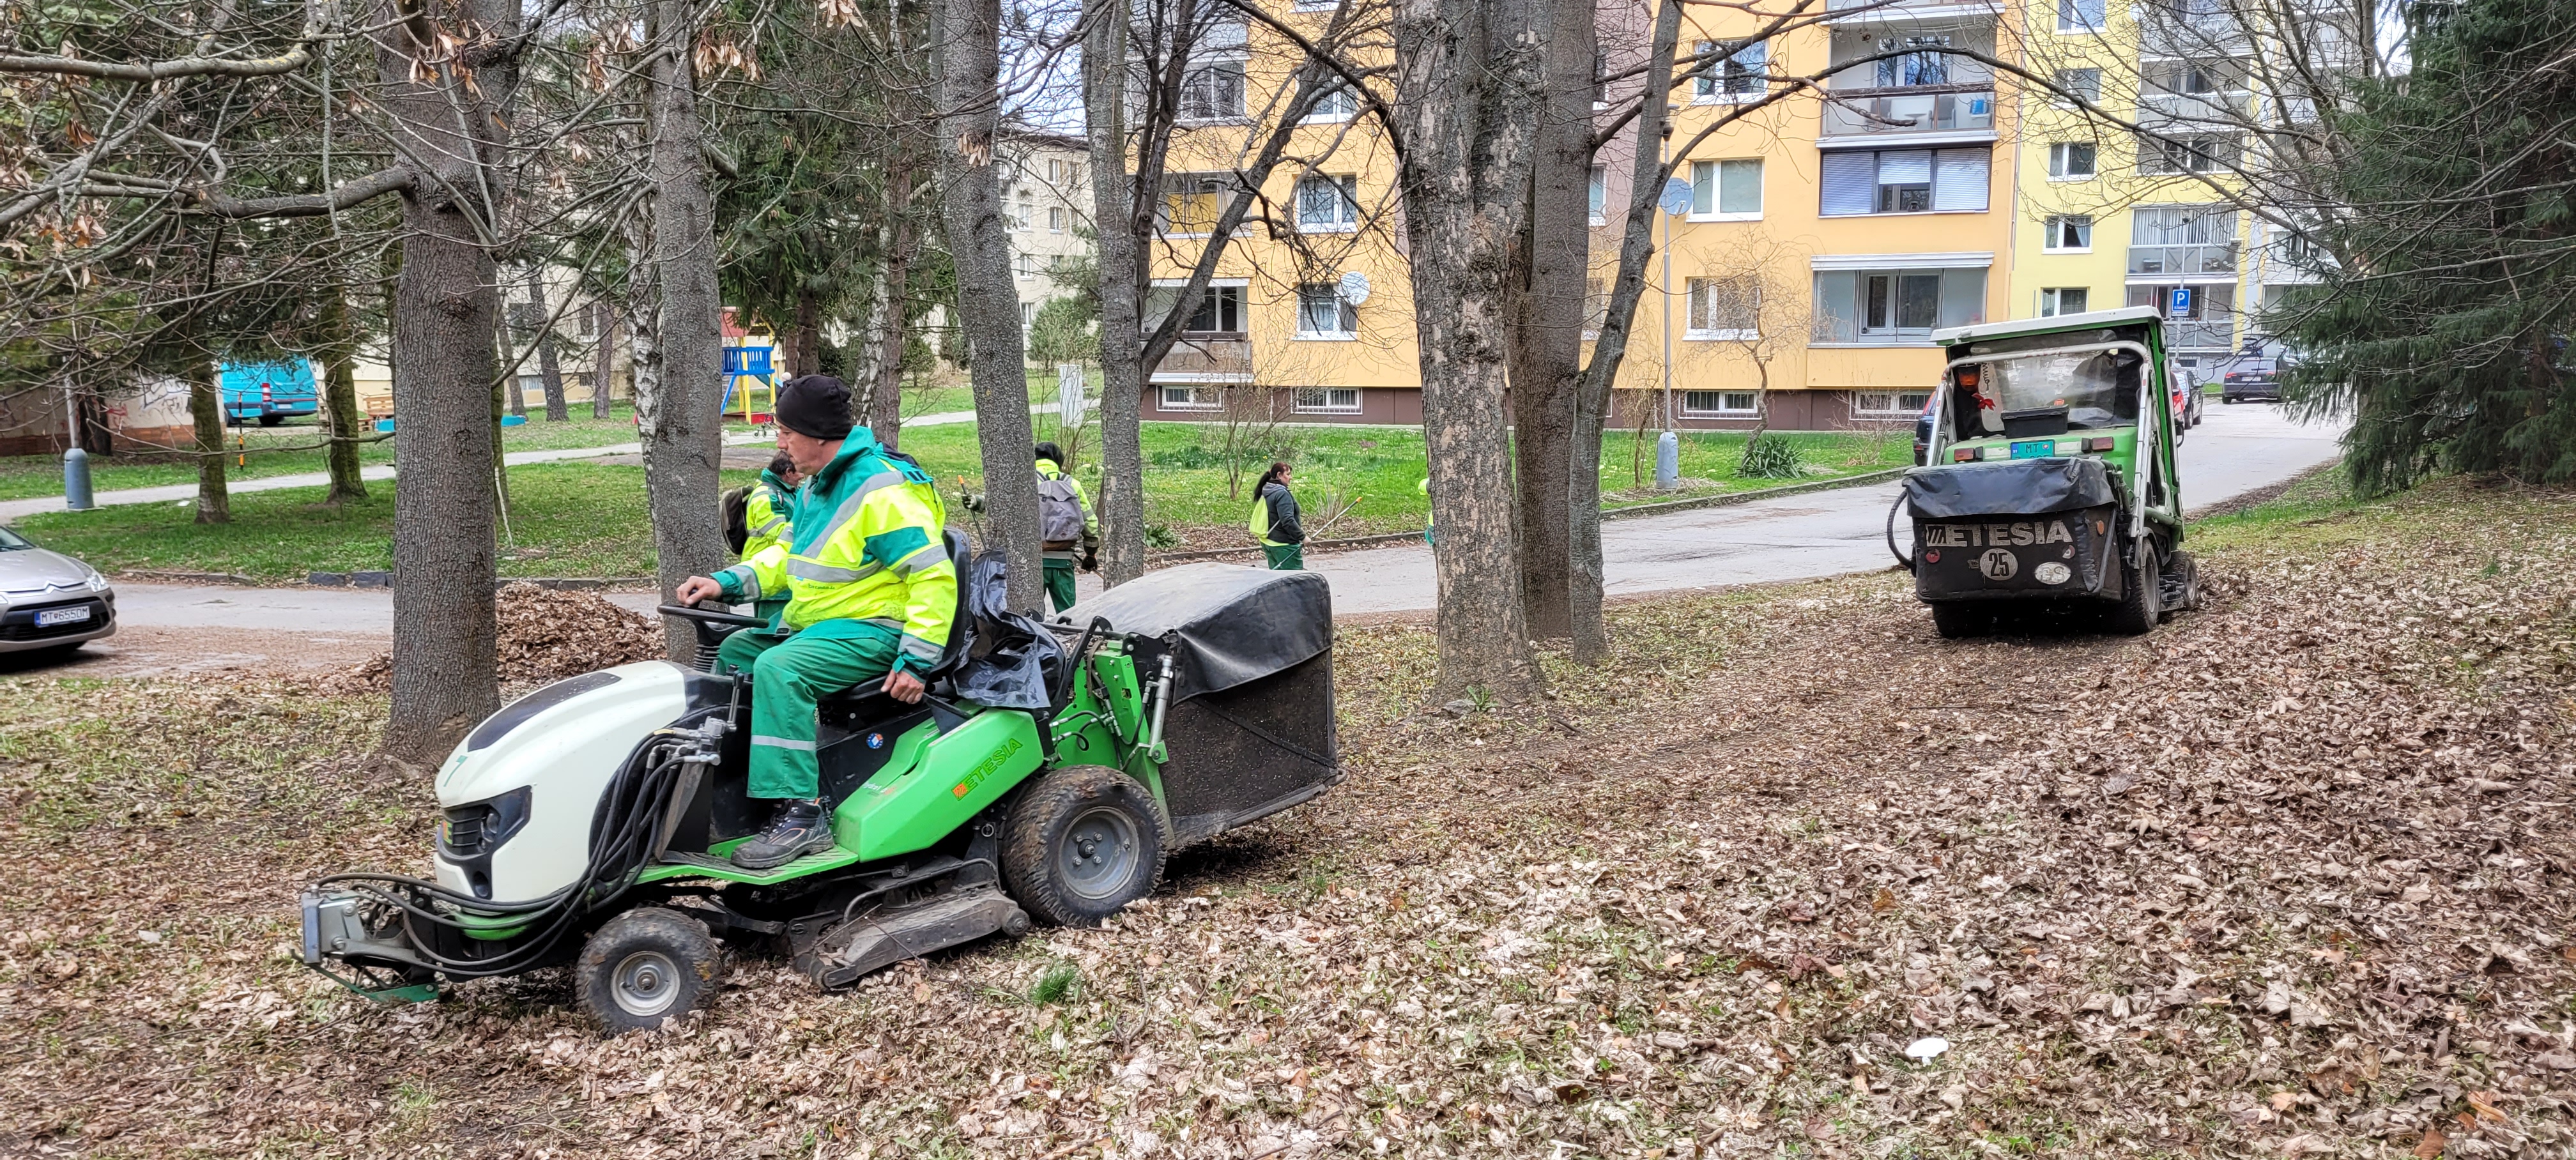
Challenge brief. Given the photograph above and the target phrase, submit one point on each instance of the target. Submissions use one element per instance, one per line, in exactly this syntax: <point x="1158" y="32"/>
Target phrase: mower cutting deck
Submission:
<point x="590" y="821"/>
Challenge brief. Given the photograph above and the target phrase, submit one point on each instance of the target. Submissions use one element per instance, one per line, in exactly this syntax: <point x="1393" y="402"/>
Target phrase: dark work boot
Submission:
<point x="798" y="829"/>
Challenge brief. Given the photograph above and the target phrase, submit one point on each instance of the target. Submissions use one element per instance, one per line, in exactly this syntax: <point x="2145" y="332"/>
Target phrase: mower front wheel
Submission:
<point x="1081" y="843"/>
<point x="646" y="967"/>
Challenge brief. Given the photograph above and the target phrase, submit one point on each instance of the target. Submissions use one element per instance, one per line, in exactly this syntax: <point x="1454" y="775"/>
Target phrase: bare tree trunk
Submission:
<point x="548" y="365"/>
<point x="988" y="303"/>
<point x="804" y="338"/>
<point x="514" y="399"/>
<point x="340" y="398"/>
<point x="206" y="407"/>
<point x="606" y="312"/>
<point x="1593" y="396"/>
<point x="683" y="432"/>
<point x="446" y="313"/>
<point x="1122" y="454"/>
<point x="1468" y="86"/>
<point x="881" y="387"/>
<point x="1547" y="347"/>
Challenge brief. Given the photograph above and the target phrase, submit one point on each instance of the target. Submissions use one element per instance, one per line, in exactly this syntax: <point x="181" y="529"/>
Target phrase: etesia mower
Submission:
<point x="589" y="822"/>
<point x="2050" y="480"/>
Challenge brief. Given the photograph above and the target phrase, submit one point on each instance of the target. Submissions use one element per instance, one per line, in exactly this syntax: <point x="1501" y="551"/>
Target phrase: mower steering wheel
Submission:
<point x="711" y="616"/>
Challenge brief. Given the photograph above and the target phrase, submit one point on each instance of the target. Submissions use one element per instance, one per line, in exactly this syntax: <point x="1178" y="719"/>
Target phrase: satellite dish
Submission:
<point x="1677" y="196"/>
<point x="1354" y="287"/>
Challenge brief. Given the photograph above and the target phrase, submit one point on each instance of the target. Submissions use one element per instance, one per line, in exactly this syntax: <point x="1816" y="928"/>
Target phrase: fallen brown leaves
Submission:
<point x="546" y="635"/>
<point x="2286" y="878"/>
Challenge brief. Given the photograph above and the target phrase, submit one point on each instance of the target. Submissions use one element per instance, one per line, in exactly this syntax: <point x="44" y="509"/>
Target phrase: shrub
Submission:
<point x="1769" y="457"/>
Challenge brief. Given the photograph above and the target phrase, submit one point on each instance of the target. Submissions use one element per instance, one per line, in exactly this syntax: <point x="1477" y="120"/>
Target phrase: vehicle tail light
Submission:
<point x="1964" y="455"/>
<point x="2100" y="443"/>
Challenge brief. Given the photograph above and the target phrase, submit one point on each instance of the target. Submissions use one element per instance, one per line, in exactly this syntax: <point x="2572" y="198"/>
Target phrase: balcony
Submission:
<point x="1207" y="356"/>
<point x="2214" y="259"/>
<point x="1907" y="11"/>
<point x="2206" y="335"/>
<point x="1911" y="109"/>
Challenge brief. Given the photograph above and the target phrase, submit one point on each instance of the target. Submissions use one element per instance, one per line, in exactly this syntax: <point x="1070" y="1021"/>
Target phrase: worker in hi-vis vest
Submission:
<point x="870" y="596"/>
<point x="1065" y="523"/>
<point x="1274" y="521"/>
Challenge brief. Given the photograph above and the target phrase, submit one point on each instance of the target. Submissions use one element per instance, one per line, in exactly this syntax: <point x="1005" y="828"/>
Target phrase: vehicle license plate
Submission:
<point x="50" y="617"/>
<point x="2035" y="449"/>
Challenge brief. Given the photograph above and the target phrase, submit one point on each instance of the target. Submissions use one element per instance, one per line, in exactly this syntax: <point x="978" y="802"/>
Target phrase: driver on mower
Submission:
<point x="870" y="596"/>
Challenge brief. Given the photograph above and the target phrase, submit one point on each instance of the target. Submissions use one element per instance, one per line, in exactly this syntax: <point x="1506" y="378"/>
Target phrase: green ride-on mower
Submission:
<point x="2050" y="482"/>
<point x="1046" y="775"/>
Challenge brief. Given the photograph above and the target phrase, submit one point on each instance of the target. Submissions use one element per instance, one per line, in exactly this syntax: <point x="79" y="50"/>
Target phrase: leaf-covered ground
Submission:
<point x="2287" y="877"/>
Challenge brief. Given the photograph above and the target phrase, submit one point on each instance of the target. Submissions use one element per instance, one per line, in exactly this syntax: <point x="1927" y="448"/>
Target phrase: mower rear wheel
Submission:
<point x="646" y="967"/>
<point x="2142" y="597"/>
<point x="1959" y="621"/>
<point x="1081" y="843"/>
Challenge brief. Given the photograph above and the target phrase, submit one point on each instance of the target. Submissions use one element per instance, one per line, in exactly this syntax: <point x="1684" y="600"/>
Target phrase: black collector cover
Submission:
<point x="2015" y="487"/>
<point x="1250" y="730"/>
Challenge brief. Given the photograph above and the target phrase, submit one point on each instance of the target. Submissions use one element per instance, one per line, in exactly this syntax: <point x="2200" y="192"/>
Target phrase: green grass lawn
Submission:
<point x="588" y="519"/>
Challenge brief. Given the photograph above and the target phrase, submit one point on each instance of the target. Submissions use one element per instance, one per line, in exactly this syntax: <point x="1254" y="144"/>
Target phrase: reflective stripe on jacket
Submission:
<point x="865" y="546"/>
<point x="765" y="514"/>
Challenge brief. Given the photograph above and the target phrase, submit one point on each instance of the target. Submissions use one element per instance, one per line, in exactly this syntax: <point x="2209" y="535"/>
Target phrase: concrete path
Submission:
<point x="174" y="493"/>
<point x="2235" y="450"/>
<point x="1827" y="533"/>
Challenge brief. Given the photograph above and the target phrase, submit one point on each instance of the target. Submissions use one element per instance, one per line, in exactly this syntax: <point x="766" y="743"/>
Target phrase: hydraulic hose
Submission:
<point x="622" y="834"/>
<point x="1902" y="560"/>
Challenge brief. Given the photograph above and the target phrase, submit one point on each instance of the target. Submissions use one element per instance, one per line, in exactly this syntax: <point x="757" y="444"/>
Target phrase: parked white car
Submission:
<point x="53" y="601"/>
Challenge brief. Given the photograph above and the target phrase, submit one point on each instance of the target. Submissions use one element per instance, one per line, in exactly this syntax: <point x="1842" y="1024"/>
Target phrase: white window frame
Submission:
<point x="2053" y="227"/>
<point x="1692" y="331"/>
<point x="1055" y="219"/>
<point x="1298" y="404"/>
<point x="1710" y="176"/>
<point x="1213" y="66"/>
<point x="1715" y="87"/>
<point x="1599" y="194"/>
<point x="1336" y="106"/>
<point x="2095" y="96"/>
<point x="1932" y="187"/>
<point x="1314" y="5"/>
<point x="1348" y="185"/>
<point x="2052" y="300"/>
<point x="2061" y="152"/>
<point x="1751" y="404"/>
<point x="1896" y="407"/>
<point x="2067" y="27"/>
<point x="1347" y="314"/>
<point x="1192" y="396"/>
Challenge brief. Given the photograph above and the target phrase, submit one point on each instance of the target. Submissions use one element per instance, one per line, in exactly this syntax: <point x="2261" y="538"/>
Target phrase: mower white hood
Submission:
<point x="563" y="742"/>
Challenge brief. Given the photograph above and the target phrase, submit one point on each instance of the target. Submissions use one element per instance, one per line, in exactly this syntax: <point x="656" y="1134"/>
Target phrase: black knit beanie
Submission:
<point x="815" y="406"/>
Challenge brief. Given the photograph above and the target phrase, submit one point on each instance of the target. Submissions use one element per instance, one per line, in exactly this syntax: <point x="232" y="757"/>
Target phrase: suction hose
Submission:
<point x="1902" y="560"/>
<point x="623" y="834"/>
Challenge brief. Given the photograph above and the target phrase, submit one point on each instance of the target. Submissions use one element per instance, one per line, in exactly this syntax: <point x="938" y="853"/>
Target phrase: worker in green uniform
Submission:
<point x="1065" y="523"/>
<point x="1274" y="521"/>
<point x="765" y="520"/>
<point x="870" y="596"/>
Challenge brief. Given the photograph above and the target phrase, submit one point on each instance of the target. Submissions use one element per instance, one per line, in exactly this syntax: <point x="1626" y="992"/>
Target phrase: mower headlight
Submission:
<point x="472" y="831"/>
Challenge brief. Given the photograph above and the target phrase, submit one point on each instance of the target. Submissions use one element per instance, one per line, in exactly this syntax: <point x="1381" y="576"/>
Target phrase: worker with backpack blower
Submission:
<point x="870" y="595"/>
<point x="1065" y="522"/>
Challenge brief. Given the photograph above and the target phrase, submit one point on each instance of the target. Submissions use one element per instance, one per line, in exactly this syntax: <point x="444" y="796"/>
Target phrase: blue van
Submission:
<point x="270" y="392"/>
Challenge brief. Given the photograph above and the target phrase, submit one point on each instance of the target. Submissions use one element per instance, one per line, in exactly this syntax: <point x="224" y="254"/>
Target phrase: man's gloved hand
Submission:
<point x="1090" y="557"/>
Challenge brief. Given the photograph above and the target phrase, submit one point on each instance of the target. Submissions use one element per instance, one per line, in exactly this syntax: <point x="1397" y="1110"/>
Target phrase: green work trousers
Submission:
<point x="1285" y="557"/>
<point x="1059" y="583"/>
<point x="788" y="675"/>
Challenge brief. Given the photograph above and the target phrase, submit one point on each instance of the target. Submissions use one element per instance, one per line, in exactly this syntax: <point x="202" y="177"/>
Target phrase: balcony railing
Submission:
<point x="1911" y="109"/>
<point x="1208" y="353"/>
<point x="1900" y="9"/>
<point x="2208" y="334"/>
<point x="2215" y="258"/>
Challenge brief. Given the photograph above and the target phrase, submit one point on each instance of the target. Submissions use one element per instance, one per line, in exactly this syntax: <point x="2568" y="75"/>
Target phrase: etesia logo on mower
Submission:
<point x="1996" y="535"/>
<point x="991" y="763"/>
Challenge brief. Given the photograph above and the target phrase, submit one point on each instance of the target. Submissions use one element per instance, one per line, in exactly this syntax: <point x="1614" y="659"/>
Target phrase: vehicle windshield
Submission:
<point x="11" y="541"/>
<point x="2097" y="389"/>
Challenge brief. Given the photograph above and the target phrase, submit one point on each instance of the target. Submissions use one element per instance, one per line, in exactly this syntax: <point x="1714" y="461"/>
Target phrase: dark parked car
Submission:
<point x="1923" y="430"/>
<point x="2255" y="376"/>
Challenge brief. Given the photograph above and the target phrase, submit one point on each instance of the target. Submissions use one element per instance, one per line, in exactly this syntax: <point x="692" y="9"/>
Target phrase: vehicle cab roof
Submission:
<point x="2090" y="320"/>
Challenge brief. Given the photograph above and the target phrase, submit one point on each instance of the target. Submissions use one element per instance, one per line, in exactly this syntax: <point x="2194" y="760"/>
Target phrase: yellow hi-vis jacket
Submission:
<point x="765" y="514"/>
<point x="865" y="550"/>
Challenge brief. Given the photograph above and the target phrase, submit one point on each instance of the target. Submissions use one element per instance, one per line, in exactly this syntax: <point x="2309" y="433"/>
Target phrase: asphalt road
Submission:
<point x="2236" y="450"/>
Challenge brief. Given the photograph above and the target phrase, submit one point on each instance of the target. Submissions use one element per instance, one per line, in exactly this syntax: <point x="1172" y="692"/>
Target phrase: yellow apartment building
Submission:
<point x="1823" y="241"/>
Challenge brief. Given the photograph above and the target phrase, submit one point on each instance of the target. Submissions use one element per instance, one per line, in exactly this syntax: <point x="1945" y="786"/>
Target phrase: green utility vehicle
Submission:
<point x="2050" y="480"/>
<point x="1046" y="775"/>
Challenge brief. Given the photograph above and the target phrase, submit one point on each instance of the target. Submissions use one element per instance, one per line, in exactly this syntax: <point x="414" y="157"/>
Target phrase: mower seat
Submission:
<point x="852" y="701"/>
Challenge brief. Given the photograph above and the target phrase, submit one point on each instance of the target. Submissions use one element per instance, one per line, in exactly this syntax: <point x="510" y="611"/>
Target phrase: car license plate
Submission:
<point x="49" y="617"/>
<point x="2035" y="449"/>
